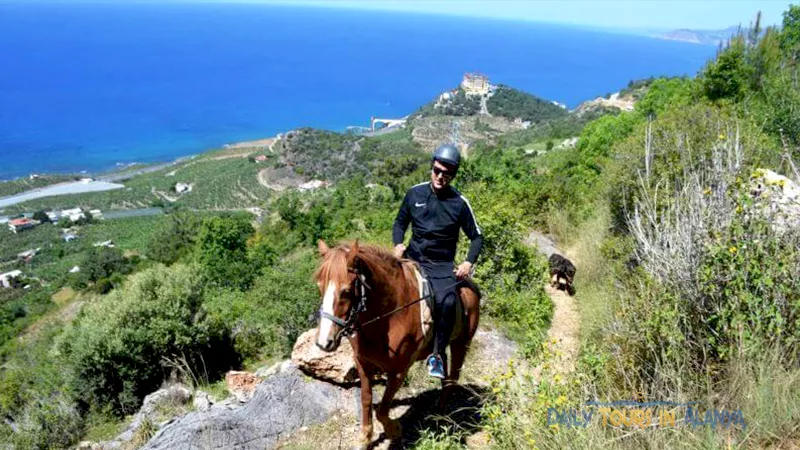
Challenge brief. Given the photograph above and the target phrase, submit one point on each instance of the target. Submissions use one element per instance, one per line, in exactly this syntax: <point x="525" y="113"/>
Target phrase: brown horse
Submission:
<point x="364" y="290"/>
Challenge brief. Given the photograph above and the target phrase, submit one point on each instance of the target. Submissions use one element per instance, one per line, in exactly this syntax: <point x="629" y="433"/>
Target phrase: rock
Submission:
<point x="201" y="402"/>
<point x="542" y="242"/>
<point x="266" y="372"/>
<point x="281" y="404"/>
<point x="779" y="198"/>
<point x="166" y="398"/>
<point x="287" y="365"/>
<point x="241" y="384"/>
<point x="173" y="395"/>
<point x="338" y="367"/>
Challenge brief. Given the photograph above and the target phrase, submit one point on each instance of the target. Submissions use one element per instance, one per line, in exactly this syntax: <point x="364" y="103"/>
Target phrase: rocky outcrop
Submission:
<point x="614" y="101"/>
<point x="338" y="367"/>
<point x="778" y="198"/>
<point x="155" y="408"/>
<point x="281" y="404"/>
<point x="241" y="384"/>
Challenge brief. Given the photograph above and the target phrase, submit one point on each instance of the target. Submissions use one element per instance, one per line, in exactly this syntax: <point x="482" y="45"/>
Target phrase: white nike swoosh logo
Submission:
<point x="419" y="204"/>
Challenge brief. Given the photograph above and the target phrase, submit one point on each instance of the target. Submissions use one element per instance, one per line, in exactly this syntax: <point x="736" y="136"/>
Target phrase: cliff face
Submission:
<point x="706" y="37"/>
<point x="682" y="35"/>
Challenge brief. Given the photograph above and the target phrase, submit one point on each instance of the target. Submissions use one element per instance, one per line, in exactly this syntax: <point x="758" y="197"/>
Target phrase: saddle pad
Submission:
<point x="425" y="307"/>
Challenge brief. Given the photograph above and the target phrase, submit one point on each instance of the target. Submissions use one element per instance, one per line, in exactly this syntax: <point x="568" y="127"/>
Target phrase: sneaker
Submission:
<point x="436" y="367"/>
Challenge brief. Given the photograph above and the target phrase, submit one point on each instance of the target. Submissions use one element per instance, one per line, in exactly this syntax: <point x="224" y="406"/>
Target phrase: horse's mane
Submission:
<point x="380" y="261"/>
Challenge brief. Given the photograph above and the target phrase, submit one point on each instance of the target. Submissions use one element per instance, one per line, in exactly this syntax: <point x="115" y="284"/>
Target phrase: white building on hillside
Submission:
<point x="475" y="84"/>
<point x="74" y="214"/>
<point x="5" y="278"/>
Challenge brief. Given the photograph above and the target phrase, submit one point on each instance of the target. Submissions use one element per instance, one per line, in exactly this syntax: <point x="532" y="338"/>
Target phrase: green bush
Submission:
<point x="119" y="349"/>
<point x="727" y="77"/>
<point x="167" y="245"/>
<point x="266" y="321"/>
<point x="221" y="251"/>
<point x="750" y="286"/>
<point x="51" y="423"/>
<point x="102" y="263"/>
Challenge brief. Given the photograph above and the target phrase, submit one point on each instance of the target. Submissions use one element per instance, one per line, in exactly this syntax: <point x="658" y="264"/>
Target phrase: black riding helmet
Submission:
<point x="447" y="154"/>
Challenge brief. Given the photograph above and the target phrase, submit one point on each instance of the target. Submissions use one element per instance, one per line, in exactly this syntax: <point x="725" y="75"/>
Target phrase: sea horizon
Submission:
<point x="92" y="85"/>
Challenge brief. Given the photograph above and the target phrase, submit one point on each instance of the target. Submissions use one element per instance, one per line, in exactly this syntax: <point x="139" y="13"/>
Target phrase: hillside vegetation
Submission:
<point x="686" y="285"/>
<point x="513" y="104"/>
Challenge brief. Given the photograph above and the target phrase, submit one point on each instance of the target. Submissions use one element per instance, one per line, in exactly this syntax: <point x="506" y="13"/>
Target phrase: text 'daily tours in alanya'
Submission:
<point x="645" y="415"/>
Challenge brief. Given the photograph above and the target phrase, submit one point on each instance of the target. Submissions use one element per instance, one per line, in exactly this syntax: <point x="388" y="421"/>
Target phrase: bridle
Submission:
<point x="350" y="325"/>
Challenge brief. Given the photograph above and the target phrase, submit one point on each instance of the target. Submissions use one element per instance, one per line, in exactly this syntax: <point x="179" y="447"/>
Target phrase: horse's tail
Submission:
<point x="470" y="283"/>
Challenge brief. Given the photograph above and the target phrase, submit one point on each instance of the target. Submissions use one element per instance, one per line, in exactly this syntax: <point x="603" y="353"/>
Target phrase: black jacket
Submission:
<point x="435" y="221"/>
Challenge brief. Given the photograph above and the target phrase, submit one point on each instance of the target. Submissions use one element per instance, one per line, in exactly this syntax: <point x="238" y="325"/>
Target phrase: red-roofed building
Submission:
<point x="17" y="225"/>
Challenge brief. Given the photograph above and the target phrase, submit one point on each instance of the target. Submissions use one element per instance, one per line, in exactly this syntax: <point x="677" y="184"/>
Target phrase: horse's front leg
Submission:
<point x="366" y="407"/>
<point x="391" y="427"/>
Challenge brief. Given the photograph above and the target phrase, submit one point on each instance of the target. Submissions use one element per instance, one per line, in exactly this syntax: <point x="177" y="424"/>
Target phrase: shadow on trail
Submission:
<point x="461" y="414"/>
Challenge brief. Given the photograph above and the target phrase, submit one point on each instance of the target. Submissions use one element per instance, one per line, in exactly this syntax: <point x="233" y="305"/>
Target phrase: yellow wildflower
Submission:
<point x="732" y="249"/>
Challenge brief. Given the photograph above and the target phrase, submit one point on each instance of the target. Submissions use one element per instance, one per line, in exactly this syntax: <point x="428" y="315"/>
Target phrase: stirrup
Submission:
<point x="436" y="367"/>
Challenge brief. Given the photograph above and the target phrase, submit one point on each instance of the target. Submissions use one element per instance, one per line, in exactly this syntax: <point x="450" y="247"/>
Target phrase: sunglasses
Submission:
<point x="445" y="173"/>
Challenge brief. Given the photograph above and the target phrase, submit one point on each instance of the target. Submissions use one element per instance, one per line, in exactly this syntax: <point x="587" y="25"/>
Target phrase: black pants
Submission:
<point x="443" y="284"/>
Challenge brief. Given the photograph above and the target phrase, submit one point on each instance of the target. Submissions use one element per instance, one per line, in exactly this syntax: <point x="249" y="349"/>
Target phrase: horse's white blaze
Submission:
<point x="325" y="324"/>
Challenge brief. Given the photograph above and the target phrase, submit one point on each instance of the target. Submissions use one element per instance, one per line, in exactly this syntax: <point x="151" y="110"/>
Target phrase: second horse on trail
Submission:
<point x="370" y="297"/>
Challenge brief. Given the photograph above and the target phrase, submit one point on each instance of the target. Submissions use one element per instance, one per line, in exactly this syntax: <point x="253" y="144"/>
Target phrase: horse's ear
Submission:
<point x="323" y="248"/>
<point x="352" y="253"/>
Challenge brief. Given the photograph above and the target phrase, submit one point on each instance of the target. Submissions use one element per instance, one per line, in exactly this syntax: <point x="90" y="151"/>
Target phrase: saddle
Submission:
<point x="426" y="306"/>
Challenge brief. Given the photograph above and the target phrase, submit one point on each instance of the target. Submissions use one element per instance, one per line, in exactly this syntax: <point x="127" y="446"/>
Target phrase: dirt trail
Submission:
<point x="564" y="332"/>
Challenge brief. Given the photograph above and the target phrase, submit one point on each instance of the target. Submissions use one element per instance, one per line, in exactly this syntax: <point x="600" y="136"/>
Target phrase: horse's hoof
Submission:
<point x="393" y="429"/>
<point x="362" y="444"/>
<point x="364" y="439"/>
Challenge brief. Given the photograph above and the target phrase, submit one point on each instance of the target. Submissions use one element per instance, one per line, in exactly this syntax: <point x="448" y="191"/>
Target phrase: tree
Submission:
<point x="790" y="35"/>
<point x="728" y="76"/>
<point x="102" y="264"/>
<point x="170" y="244"/>
<point x="221" y="251"/>
<point x="41" y="216"/>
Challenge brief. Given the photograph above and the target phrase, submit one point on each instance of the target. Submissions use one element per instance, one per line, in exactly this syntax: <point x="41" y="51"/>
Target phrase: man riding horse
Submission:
<point x="436" y="212"/>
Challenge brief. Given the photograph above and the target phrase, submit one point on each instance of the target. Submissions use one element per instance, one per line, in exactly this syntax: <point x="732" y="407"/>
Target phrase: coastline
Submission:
<point x="105" y="181"/>
<point x="69" y="187"/>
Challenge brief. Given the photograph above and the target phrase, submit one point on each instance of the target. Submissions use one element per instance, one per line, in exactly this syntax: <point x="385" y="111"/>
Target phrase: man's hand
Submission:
<point x="398" y="250"/>
<point x="463" y="270"/>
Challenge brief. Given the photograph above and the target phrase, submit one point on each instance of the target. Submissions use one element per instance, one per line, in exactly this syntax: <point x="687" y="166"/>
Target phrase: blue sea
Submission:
<point x="87" y="86"/>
